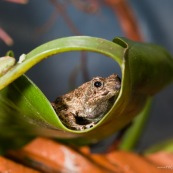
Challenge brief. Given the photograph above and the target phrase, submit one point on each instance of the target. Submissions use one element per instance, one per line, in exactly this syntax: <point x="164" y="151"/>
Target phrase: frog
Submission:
<point x="86" y="105"/>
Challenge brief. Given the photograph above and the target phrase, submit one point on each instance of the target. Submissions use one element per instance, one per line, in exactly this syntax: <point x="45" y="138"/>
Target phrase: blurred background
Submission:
<point x="25" y="26"/>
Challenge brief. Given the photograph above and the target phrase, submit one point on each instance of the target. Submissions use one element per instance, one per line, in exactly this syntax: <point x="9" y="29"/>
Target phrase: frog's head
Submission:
<point x="102" y="89"/>
<point x="100" y="96"/>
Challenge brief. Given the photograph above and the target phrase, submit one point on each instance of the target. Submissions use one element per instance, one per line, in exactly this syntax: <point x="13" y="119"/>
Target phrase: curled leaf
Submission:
<point x="146" y="69"/>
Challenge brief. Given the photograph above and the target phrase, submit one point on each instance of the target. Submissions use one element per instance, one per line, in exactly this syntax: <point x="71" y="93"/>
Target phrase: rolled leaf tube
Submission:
<point x="146" y="69"/>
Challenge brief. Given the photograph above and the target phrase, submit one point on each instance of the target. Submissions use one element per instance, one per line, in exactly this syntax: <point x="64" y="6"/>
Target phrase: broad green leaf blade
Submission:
<point x="28" y="108"/>
<point x="146" y="69"/>
<point x="150" y="66"/>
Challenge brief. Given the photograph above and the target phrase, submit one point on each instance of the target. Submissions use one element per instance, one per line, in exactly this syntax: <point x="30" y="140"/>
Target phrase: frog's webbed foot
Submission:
<point x="83" y="127"/>
<point x="75" y="123"/>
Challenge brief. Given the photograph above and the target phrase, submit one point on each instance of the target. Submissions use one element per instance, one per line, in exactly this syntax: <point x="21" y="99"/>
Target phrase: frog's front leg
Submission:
<point x="69" y="120"/>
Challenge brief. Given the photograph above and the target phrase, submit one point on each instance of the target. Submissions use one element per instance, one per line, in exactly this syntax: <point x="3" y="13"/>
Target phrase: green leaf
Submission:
<point x="146" y="69"/>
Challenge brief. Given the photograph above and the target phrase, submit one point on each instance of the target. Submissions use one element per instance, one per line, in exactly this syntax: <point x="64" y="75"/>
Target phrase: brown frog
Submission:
<point x="83" y="107"/>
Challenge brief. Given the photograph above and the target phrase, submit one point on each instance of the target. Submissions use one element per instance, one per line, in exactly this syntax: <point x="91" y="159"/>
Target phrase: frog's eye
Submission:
<point x="98" y="84"/>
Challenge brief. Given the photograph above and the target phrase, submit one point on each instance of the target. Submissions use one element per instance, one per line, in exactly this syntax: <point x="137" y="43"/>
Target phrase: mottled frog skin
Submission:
<point x="83" y="107"/>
